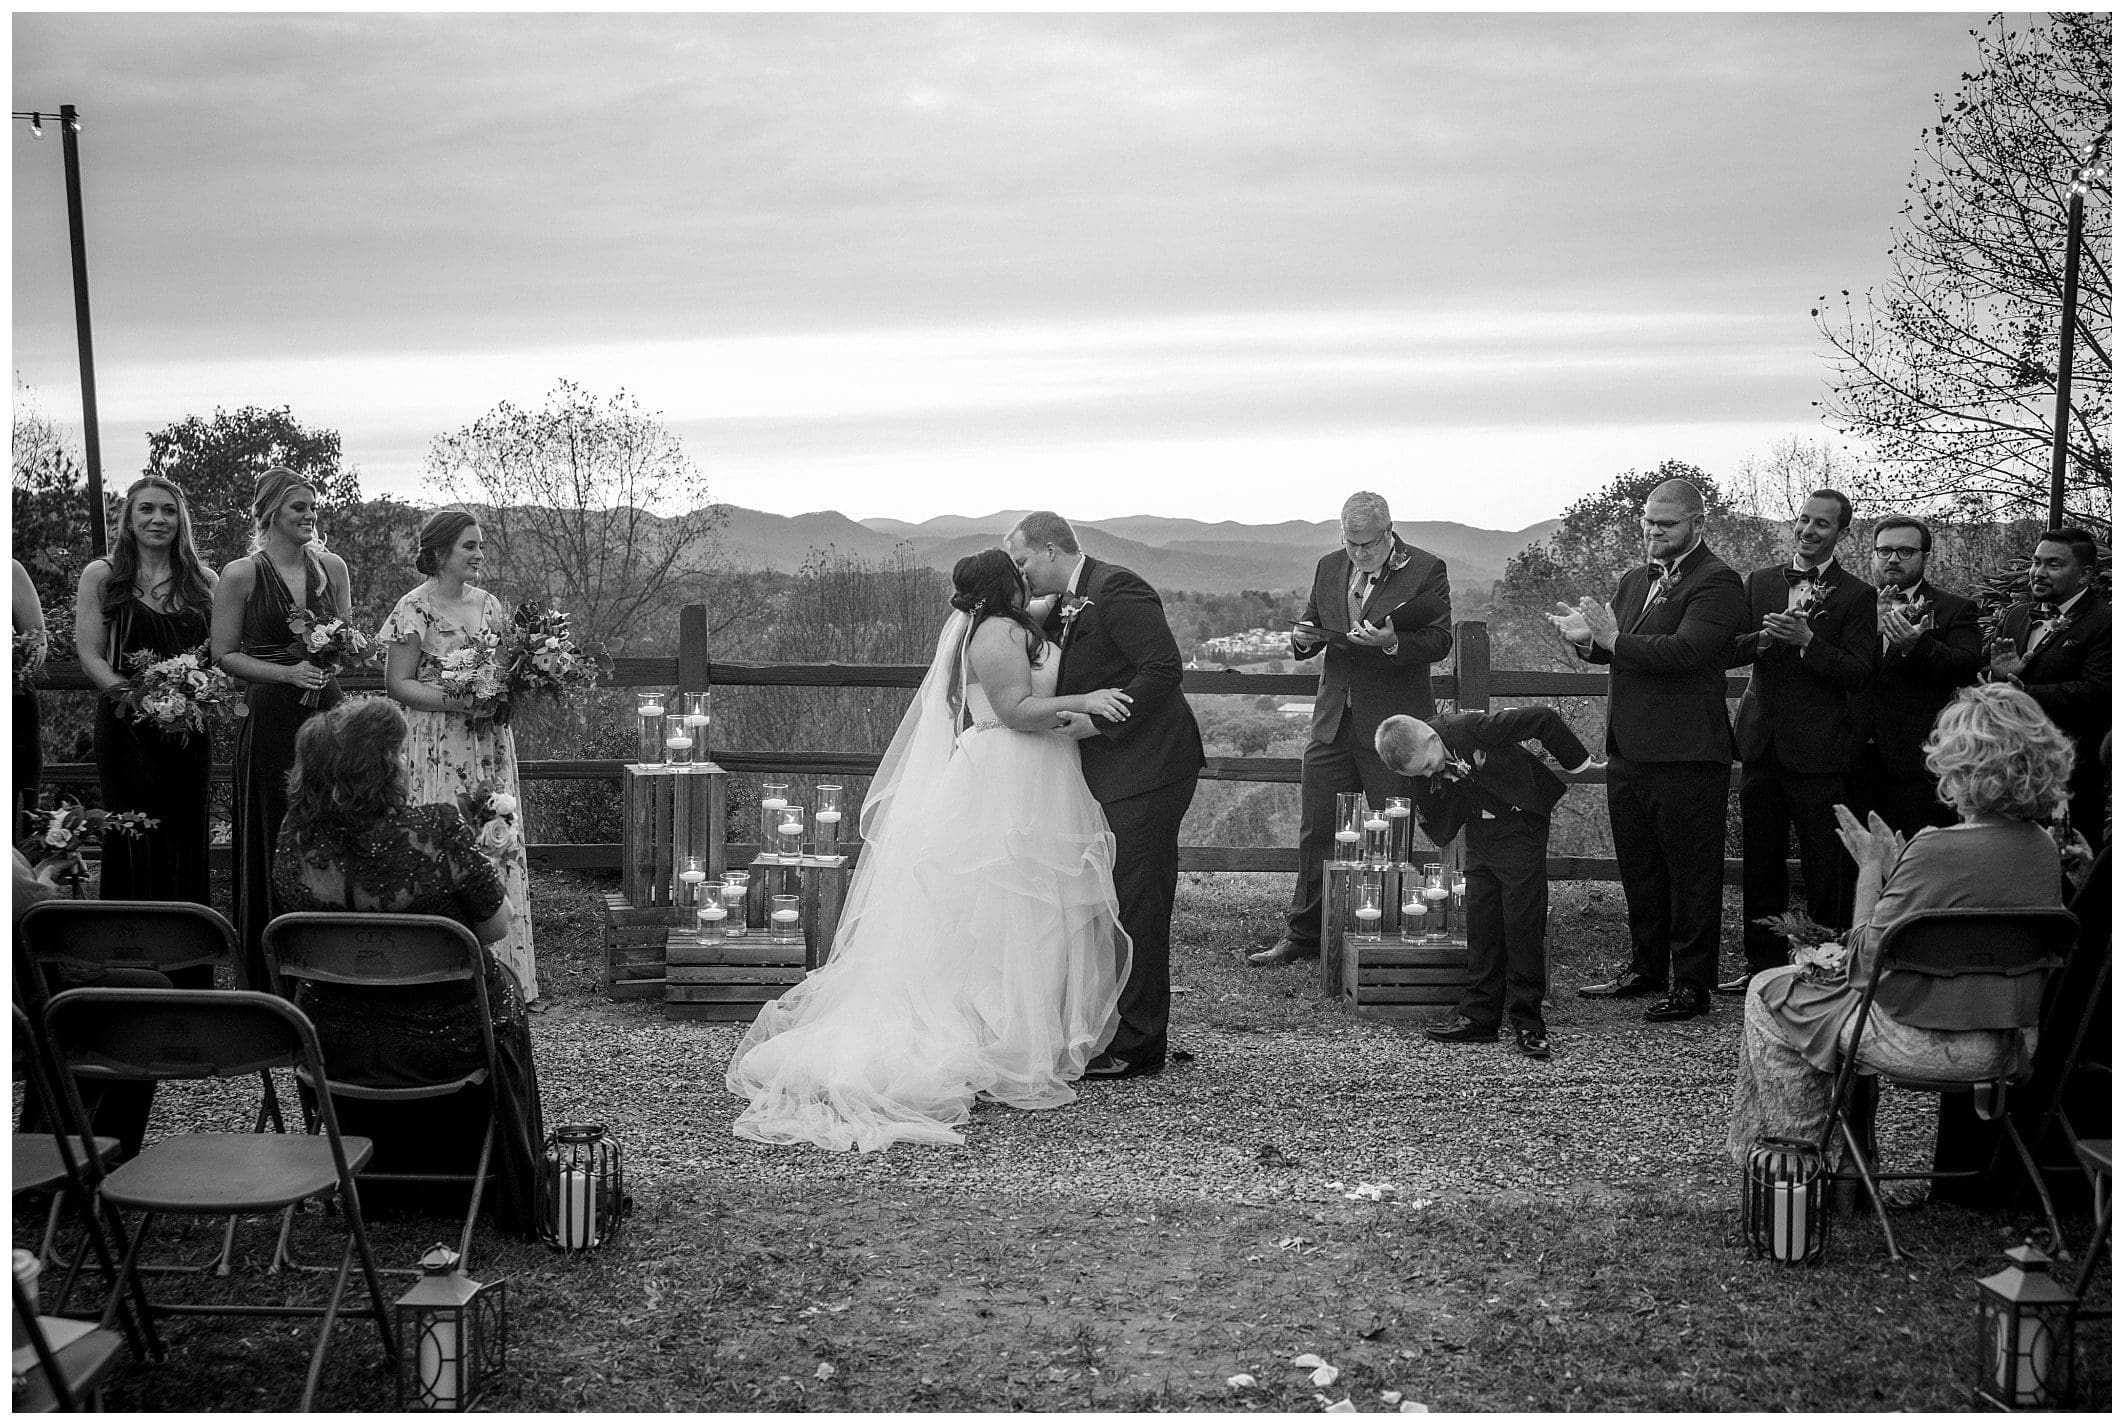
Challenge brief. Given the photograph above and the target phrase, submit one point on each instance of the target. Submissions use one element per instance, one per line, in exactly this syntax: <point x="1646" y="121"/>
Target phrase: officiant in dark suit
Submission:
<point x="1384" y="612"/>
<point x="1809" y="644"/>
<point x="2059" y="654"/>
<point x="1930" y="644"/>
<point x="1664" y="639"/>
<point x="1112" y="631"/>
<point x="1470" y="771"/>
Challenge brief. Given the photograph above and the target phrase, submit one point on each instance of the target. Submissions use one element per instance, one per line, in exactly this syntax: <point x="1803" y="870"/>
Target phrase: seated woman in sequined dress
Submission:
<point x="352" y="842"/>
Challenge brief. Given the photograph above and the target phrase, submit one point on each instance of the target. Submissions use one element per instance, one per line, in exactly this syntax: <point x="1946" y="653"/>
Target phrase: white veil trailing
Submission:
<point x="979" y="951"/>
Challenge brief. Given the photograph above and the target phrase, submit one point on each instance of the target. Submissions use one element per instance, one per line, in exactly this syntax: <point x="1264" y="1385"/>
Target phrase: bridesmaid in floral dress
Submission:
<point x="453" y="744"/>
<point x="252" y="641"/>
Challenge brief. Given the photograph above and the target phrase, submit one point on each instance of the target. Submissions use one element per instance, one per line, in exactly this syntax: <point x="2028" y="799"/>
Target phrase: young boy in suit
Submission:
<point x="1471" y="771"/>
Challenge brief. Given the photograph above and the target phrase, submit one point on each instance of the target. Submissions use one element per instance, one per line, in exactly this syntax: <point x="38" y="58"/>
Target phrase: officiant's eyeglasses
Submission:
<point x="1369" y="545"/>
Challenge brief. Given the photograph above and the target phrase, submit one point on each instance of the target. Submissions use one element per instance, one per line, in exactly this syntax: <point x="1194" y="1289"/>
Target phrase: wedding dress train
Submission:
<point x="980" y="953"/>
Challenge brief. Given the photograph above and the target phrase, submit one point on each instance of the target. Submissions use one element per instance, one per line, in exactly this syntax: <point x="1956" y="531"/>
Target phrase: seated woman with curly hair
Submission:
<point x="2004" y="767"/>
<point x="351" y="842"/>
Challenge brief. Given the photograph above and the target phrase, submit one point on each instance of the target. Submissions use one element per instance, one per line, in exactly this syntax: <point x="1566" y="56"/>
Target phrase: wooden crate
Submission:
<point x="666" y="815"/>
<point x="634" y="947"/>
<point x="710" y="977"/>
<point x="1383" y="974"/>
<point x="821" y="887"/>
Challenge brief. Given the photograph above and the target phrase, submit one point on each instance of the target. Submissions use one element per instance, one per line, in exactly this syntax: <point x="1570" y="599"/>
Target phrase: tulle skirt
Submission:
<point x="984" y="962"/>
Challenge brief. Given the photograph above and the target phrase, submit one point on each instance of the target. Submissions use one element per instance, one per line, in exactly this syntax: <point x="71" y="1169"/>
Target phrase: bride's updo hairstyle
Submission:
<point x="439" y="534"/>
<point x="988" y="585"/>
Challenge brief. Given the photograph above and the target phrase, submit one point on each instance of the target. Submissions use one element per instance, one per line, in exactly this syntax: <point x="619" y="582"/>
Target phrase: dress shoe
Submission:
<point x="1284" y="952"/>
<point x="1461" y="1031"/>
<point x="1738" y="985"/>
<point x="1109" y="1066"/>
<point x="1627" y="985"/>
<point x="1534" y="1043"/>
<point x="1682" y="1002"/>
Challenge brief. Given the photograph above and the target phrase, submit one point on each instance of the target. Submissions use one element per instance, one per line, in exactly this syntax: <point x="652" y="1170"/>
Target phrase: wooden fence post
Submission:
<point x="693" y="649"/>
<point x="1471" y="665"/>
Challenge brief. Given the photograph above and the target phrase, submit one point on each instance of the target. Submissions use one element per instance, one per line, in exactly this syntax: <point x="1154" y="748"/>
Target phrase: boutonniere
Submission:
<point x="1813" y="593"/>
<point x="1072" y="608"/>
<point x="1456" y="769"/>
<point x="1663" y="584"/>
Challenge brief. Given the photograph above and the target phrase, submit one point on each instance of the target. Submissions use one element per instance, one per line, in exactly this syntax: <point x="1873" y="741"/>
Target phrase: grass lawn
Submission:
<point x="1554" y="1236"/>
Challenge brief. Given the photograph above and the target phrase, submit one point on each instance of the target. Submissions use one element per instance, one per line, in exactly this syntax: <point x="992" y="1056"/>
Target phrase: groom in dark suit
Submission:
<point x="1113" y="634"/>
<point x="1670" y="748"/>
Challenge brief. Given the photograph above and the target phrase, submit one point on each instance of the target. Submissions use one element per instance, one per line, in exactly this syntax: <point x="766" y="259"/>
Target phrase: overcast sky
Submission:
<point x="1227" y="266"/>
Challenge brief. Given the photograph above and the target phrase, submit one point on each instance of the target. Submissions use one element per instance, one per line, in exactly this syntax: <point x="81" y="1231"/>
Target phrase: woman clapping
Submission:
<point x="454" y="744"/>
<point x="152" y="596"/>
<point x="286" y="573"/>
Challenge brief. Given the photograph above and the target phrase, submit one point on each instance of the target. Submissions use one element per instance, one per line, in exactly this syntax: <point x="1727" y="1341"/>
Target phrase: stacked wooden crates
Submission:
<point x="713" y="974"/>
<point x="1384" y="972"/>
<point x="668" y="815"/>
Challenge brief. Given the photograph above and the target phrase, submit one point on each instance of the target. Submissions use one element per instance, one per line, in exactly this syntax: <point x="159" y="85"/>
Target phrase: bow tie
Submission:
<point x="1657" y="570"/>
<point x="1810" y="576"/>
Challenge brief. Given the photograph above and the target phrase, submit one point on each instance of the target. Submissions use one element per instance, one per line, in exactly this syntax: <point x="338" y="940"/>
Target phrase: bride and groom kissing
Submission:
<point x="1008" y="928"/>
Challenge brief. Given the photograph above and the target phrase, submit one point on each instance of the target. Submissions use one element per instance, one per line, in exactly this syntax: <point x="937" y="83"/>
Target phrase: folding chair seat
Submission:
<point x="377" y="951"/>
<point x="160" y="1035"/>
<point x="65" y="1363"/>
<point x="1989" y="969"/>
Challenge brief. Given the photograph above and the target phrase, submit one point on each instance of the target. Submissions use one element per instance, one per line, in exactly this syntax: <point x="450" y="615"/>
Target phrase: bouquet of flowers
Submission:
<point x="30" y="646"/>
<point x="543" y="656"/>
<point x="332" y="644"/>
<point x="491" y="813"/>
<point x="1818" y="949"/>
<point x="176" y="696"/>
<point x="63" y="830"/>
<point x="476" y="672"/>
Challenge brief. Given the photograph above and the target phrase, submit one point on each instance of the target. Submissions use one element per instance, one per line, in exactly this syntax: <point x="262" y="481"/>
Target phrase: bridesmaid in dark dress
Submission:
<point x="252" y="641"/>
<point x="151" y="595"/>
<point x="29" y="729"/>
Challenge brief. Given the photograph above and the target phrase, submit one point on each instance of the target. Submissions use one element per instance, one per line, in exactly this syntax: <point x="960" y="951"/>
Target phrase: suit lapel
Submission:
<point x="2050" y="639"/>
<point x="1069" y="626"/>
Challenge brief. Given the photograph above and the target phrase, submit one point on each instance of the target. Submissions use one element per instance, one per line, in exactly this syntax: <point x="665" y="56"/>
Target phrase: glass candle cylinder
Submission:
<point x="827" y="818"/>
<point x="774" y="798"/>
<point x="1437" y="893"/>
<point x="678" y="742"/>
<point x="712" y="916"/>
<point x="692" y="871"/>
<point x="1349" y="826"/>
<point x="1400" y="818"/>
<point x="1376" y="835"/>
<point x="649" y="707"/>
<point x="694" y="707"/>
<point x="732" y="895"/>
<point x="1415" y="910"/>
<point x="784" y="920"/>
<point x="1367" y="906"/>
<point x="789" y="833"/>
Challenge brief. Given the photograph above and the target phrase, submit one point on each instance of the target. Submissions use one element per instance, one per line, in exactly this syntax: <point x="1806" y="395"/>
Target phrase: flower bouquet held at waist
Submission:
<point x="332" y="644"/>
<point x="491" y="813"/>
<point x="30" y="645"/>
<point x="177" y="696"/>
<point x="476" y="673"/>
<point x="541" y="656"/>
<point x="1820" y="951"/>
<point x="64" y="829"/>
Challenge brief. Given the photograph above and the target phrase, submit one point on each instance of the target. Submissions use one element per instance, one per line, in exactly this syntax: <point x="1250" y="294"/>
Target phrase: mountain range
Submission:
<point x="1225" y="557"/>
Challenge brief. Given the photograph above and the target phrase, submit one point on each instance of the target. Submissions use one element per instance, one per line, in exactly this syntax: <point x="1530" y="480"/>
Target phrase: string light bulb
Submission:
<point x="36" y="126"/>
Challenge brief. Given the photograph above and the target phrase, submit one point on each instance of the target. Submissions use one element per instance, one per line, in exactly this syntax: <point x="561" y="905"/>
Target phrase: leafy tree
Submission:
<point x="52" y="530"/>
<point x="218" y="462"/>
<point x="1948" y="369"/>
<point x="569" y="494"/>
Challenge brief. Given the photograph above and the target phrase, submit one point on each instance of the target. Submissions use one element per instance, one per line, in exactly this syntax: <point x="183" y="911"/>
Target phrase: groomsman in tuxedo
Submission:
<point x="1384" y="612"/>
<point x="1665" y="639"/>
<point x="1112" y="631"/>
<point x="1810" y="637"/>
<point x="2056" y="649"/>
<point x="1471" y="771"/>
<point x="1931" y="643"/>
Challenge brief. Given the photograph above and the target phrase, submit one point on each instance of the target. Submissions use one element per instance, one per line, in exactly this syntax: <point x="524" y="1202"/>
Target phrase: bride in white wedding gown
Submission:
<point x="980" y="952"/>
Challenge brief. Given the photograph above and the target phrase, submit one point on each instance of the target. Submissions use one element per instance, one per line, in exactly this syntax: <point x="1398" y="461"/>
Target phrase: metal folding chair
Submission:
<point x="2014" y="952"/>
<point x="2092" y="1156"/>
<point x="161" y="1035"/>
<point x="65" y="1363"/>
<point x="361" y="950"/>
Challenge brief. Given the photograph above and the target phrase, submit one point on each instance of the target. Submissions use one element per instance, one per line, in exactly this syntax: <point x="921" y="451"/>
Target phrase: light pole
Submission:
<point x="91" y="438"/>
<point x="2083" y="178"/>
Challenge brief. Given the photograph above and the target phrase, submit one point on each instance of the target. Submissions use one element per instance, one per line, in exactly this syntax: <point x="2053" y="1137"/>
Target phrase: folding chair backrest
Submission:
<point x="177" y="1034"/>
<point x="1960" y="969"/>
<point x="370" y="949"/>
<point x="91" y="937"/>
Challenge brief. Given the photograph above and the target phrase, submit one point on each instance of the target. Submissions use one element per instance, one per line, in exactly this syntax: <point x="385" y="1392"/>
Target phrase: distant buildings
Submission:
<point x="1251" y="646"/>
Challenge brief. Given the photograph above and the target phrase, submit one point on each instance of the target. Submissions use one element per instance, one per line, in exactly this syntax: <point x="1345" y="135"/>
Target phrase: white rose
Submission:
<point x="58" y="837"/>
<point x="501" y="804"/>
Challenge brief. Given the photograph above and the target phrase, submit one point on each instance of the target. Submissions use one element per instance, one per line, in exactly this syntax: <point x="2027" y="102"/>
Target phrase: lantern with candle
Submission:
<point x="453" y="1336"/>
<point x="584" y="1191"/>
<point x="649" y="707"/>
<point x="1783" y="1211"/>
<point x="2024" y="1335"/>
<point x="827" y="818"/>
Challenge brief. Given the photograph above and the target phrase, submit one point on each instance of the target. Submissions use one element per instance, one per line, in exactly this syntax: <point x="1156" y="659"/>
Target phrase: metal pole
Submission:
<point x="91" y="438"/>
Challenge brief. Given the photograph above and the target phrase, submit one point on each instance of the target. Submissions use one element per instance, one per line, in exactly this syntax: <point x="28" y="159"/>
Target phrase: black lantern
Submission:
<point x="2024" y="1335"/>
<point x="453" y="1336"/>
<point x="1782" y="1201"/>
<point x="583" y="1190"/>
